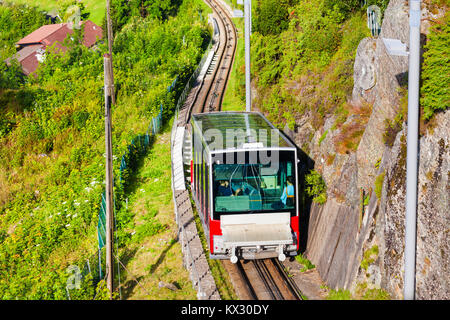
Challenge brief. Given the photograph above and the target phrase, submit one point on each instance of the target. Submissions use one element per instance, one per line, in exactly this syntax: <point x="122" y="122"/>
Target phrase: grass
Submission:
<point x="96" y="8"/>
<point x="153" y="253"/>
<point x="234" y="98"/>
<point x="361" y="292"/>
<point x="307" y="265"/>
<point x="340" y="294"/>
<point x="379" y="184"/>
<point x="323" y="136"/>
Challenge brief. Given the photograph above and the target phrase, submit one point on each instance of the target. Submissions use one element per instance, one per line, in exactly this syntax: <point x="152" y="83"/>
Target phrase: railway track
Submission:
<point x="262" y="280"/>
<point x="252" y="279"/>
<point x="215" y="82"/>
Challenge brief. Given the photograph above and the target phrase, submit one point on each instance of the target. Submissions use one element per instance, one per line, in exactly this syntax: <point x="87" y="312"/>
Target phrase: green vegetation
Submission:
<point x="393" y="126"/>
<point x="379" y="184"/>
<point x="51" y="148"/>
<point x="323" y="136"/>
<point x="362" y="292"/>
<point x="16" y="21"/>
<point x="369" y="257"/>
<point x="377" y="163"/>
<point x="339" y="294"/>
<point x="271" y="16"/>
<point x="307" y="66"/>
<point x="435" y="90"/>
<point x="95" y="8"/>
<point x="234" y="98"/>
<point x="122" y="10"/>
<point x="307" y="265"/>
<point x="316" y="187"/>
<point x="148" y="231"/>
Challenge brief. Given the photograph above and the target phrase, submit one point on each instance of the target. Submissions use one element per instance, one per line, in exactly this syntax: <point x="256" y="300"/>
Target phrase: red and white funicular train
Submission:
<point x="244" y="183"/>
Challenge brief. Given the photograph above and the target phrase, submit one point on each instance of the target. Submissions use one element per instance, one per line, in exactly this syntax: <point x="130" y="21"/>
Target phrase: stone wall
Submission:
<point x="337" y="238"/>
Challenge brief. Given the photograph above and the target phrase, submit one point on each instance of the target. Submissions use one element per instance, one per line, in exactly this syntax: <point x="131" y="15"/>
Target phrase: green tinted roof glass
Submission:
<point x="236" y="128"/>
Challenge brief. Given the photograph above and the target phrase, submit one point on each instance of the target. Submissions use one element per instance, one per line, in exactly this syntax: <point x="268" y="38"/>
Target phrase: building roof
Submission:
<point x="92" y="33"/>
<point x="239" y="128"/>
<point x="40" y="34"/>
<point x="28" y="57"/>
<point x="51" y="33"/>
<point x="34" y="45"/>
<point x="25" y="52"/>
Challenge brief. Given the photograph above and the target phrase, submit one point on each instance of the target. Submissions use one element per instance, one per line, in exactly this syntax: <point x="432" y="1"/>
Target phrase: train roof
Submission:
<point x="250" y="128"/>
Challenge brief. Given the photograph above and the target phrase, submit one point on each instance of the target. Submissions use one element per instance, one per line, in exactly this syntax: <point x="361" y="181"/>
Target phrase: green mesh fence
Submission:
<point x="95" y="265"/>
<point x="136" y="148"/>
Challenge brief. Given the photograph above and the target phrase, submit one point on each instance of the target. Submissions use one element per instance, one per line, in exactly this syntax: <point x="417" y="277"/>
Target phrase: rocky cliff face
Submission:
<point x="351" y="243"/>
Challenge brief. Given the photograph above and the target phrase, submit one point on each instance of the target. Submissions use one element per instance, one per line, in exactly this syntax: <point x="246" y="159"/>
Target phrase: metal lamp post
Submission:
<point x="396" y="47"/>
<point x="412" y="150"/>
<point x="248" y="22"/>
<point x="247" y="32"/>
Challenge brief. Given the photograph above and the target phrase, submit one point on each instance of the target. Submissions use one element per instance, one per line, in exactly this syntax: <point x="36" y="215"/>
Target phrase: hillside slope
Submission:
<point x="51" y="155"/>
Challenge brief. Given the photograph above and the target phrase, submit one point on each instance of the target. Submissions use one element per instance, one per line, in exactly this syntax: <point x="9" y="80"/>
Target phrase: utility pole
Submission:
<point x="110" y="44"/>
<point x="109" y="175"/>
<point x="412" y="156"/>
<point x="247" y="17"/>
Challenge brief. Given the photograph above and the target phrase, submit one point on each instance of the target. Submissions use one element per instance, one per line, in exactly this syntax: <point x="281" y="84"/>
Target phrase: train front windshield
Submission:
<point x="254" y="187"/>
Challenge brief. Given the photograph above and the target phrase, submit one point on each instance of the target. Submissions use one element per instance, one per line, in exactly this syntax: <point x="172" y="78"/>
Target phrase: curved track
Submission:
<point x="211" y="95"/>
<point x="252" y="279"/>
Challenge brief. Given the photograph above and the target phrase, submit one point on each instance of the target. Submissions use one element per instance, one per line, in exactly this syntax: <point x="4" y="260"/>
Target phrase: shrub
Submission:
<point x="308" y="67"/>
<point x="340" y="294"/>
<point x="316" y="187"/>
<point x="271" y="17"/>
<point x="435" y="91"/>
<point x="307" y="265"/>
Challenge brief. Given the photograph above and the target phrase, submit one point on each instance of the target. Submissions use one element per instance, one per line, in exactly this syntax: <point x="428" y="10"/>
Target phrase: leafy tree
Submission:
<point x="10" y="76"/>
<point x="271" y="17"/>
<point x="120" y="14"/>
<point x="346" y="7"/>
<point x="316" y="187"/>
<point x="16" y="21"/>
<point x="123" y="10"/>
<point x="68" y="8"/>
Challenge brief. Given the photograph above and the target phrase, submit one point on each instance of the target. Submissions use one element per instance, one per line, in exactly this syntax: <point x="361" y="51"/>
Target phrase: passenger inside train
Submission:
<point x="253" y="187"/>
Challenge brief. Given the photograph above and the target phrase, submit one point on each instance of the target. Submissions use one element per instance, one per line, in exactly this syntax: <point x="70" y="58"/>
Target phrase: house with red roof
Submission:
<point x="31" y="49"/>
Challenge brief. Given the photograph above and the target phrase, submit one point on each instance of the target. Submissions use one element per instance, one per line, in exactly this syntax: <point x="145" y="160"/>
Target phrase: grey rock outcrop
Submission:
<point x="387" y="216"/>
<point x="433" y="225"/>
<point x="379" y="86"/>
<point x="338" y="235"/>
